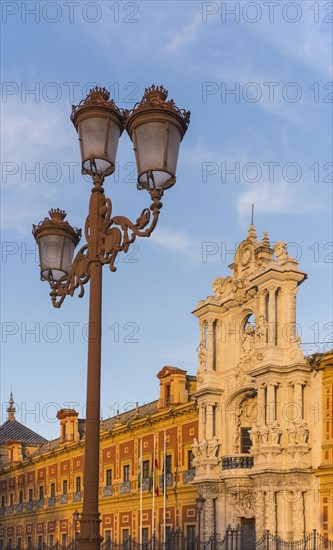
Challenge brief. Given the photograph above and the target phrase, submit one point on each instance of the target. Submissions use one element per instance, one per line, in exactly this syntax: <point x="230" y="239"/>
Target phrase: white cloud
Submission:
<point x="276" y="198"/>
<point x="177" y="242"/>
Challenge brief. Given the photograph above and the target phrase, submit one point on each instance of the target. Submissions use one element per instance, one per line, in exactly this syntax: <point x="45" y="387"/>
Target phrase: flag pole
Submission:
<point x="141" y="491"/>
<point x="164" y="489"/>
<point x="153" y="507"/>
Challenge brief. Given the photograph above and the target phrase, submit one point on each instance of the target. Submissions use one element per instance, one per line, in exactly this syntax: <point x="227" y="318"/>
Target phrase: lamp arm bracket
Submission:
<point x="78" y="276"/>
<point x="117" y="239"/>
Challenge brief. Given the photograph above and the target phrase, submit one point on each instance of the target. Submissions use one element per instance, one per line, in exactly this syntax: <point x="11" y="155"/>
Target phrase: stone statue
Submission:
<point x="203" y="448"/>
<point x="217" y="286"/>
<point x="275" y="432"/>
<point x="255" y="435"/>
<point x="262" y="326"/>
<point x="195" y="448"/>
<point x="202" y="356"/>
<point x="263" y="430"/>
<point x="280" y="251"/>
<point x="292" y="433"/>
<point x="213" y="447"/>
<point x="302" y="433"/>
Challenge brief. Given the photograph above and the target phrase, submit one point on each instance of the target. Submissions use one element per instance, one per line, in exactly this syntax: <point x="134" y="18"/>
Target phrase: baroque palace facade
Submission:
<point x="251" y="433"/>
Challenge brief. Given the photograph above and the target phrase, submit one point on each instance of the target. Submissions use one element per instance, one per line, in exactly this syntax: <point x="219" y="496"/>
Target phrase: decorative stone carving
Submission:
<point x="205" y="458"/>
<point x="298" y="438"/>
<point x="242" y="501"/>
<point x="202" y="358"/>
<point x="217" y="285"/>
<point x="275" y="433"/>
<point x="263" y="433"/>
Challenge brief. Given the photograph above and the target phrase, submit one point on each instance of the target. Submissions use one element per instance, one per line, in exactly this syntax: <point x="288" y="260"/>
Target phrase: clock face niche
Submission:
<point x="245" y="254"/>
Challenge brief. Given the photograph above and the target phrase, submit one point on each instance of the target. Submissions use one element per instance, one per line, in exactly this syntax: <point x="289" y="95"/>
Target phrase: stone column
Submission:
<point x="261" y="402"/>
<point x="272" y="316"/>
<point x="298" y="399"/>
<point x="270" y="403"/>
<point x="210" y="362"/>
<point x="209" y="519"/>
<point x="298" y="516"/>
<point x="202" y="422"/>
<point x="260" y="513"/>
<point x="209" y="421"/>
<point x="270" y="511"/>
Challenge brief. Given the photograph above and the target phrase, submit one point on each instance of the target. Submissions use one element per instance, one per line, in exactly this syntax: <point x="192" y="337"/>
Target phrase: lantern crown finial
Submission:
<point x="57" y="214"/>
<point x="155" y="94"/>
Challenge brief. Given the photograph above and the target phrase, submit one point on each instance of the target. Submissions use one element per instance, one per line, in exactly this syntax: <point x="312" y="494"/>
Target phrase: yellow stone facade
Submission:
<point x="41" y="491"/>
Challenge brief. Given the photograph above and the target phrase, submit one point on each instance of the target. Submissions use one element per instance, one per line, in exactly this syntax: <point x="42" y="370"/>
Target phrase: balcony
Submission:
<point x="2" y="511"/>
<point x="29" y="506"/>
<point x="63" y="499"/>
<point x="124" y="487"/>
<point x="107" y="491"/>
<point x="188" y="476"/>
<point x="169" y="480"/>
<point x="19" y="507"/>
<point x="147" y="483"/>
<point x="51" y="501"/>
<point x="77" y="496"/>
<point x="40" y="503"/>
<point x="237" y="462"/>
<point x="10" y="509"/>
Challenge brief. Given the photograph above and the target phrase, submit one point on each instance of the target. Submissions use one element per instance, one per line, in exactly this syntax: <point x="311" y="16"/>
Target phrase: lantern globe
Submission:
<point x="99" y="124"/>
<point x="156" y="128"/>
<point x="56" y="241"/>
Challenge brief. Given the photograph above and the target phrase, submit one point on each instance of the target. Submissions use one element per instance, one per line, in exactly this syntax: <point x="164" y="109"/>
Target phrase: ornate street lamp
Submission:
<point x="156" y="127"/>
<point x="200" y="502"/>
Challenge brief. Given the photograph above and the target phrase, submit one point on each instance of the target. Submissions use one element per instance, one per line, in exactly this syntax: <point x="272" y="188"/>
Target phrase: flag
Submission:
<point x="157" y="491"/>
<point x="139" y="467"/>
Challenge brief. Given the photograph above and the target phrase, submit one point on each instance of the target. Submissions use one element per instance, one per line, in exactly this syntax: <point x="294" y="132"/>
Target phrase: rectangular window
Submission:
<point x="145" y="468"/>
<point x="126" y="473"/>
<point x="41" y="492"/>
<point x="145" y="536"/>
<point x="245" y="440"/>
<point x="11" y="499"/>
<point x="168" y="464"/>
<point x="29" y="541"/>
<point x="189" y="460"/>
<point x="20" y="497"/>
<point x="108" y="477"/>
<point x="51" y="540"/>
<point x="52" y="490"/>
<point x="19" y="542"/>
<point x="107" y="535"/>
<point x="78" y="484"/>
<point x="40" y="541"/>
<point x="125" y="536"/>
<point x="63" y="540"/>
<point x="30" y="496"/>
<point x="64" y="487"/>
<point x="1" y="544"/>
<point x="190" y="535"/>
<point x="2" y="501"/>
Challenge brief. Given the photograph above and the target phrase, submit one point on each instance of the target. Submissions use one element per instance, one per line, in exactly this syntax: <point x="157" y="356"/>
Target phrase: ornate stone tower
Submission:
<point x="259" y="436"/>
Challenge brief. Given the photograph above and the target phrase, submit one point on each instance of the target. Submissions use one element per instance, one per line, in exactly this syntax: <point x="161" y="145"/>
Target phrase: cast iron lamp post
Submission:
<point x="156" y="128"/>
<point x="200" y="501"/>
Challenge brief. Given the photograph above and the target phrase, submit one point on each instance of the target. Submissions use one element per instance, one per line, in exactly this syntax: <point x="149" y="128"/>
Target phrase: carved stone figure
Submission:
<point x="280" y="251"/>
<point x="195" y="448"/>
<point x="255" y="435"/>
<point x="217" y="285"/>
<point x="302" y="433"/>
<point x="202" y="356"/>
<point x="275" y="432"/>
<point x="263" y="430"/>
<point x="203" y="448"/>
<point x="213" y="447"/>
<point x="261" y="329"/>
<point x="292" y="433"/>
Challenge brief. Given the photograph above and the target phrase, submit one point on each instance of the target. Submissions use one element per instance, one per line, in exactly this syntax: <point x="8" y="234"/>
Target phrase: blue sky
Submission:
<point x="257" y="79"/>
